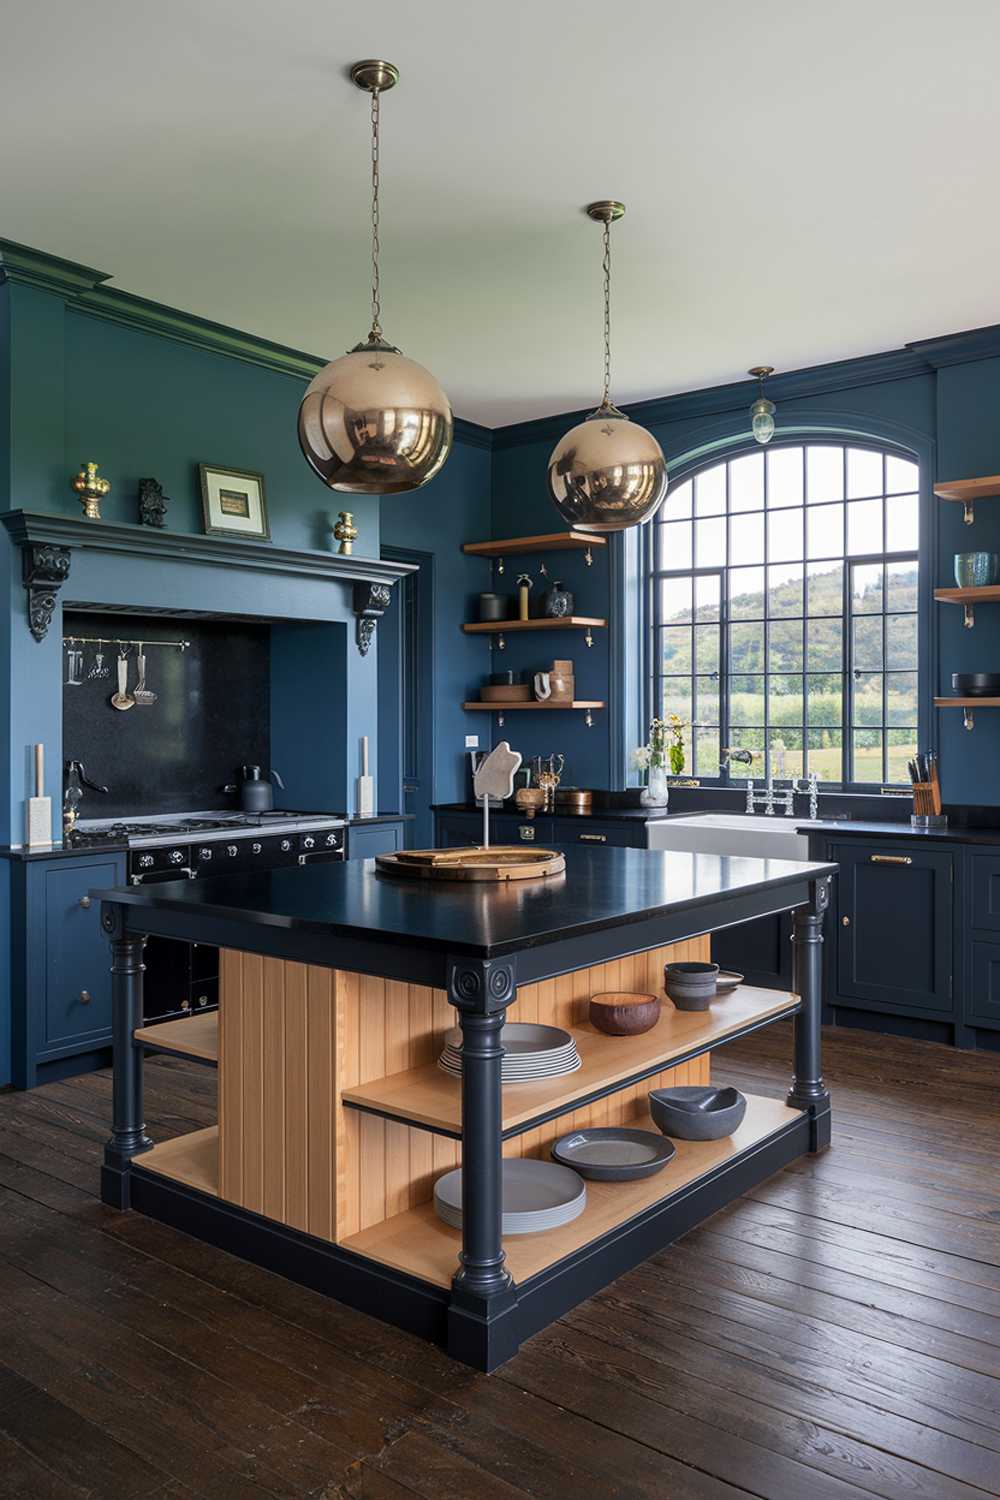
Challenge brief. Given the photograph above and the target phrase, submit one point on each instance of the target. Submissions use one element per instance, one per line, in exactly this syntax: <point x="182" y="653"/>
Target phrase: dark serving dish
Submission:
<point x="976" y="684"/>
<point x="697" y="1112"/>
<point x="613" y="1153"/>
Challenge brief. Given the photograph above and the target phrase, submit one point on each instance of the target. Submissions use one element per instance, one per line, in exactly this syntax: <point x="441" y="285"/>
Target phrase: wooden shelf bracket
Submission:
<point x="969" y="616"/>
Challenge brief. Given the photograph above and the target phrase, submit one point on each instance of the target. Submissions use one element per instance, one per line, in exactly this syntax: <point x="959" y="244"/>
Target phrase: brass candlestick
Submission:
<point x="346" y="533"/>
<point x="91" y="490"/>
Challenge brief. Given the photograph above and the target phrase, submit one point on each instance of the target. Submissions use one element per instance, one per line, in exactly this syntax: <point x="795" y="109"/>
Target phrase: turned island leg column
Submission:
<point x="808" y="1090"/>
<point x="480" y="1315"/>
<point x="128" y="1131"/>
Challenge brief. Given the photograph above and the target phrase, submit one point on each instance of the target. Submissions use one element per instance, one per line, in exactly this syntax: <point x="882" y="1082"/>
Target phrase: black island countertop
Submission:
<point x="352" y="916"/>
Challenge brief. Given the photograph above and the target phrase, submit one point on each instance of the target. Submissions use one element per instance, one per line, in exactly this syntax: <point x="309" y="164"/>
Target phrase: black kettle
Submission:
<point x="256" y="789"/>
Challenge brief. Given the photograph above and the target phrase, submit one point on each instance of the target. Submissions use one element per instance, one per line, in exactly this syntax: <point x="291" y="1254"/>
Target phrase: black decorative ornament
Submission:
<point x="152" y="503"/>
<point x="557" y="602"/>
<point x="45" y="568"/>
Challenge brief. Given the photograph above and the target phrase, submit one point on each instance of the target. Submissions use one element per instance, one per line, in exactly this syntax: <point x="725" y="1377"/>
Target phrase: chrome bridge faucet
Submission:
<point x="785" y="799"/>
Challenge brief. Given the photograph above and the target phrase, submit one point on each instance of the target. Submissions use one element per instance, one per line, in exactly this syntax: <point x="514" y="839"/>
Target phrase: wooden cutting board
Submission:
<point x="501" y="862"/>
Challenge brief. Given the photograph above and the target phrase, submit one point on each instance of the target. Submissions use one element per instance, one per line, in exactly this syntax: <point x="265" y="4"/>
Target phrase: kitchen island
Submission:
<point x="337" y="985"/>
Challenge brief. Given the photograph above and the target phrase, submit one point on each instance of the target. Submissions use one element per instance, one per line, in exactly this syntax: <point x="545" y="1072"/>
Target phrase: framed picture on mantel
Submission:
<point x="233" y="502"/>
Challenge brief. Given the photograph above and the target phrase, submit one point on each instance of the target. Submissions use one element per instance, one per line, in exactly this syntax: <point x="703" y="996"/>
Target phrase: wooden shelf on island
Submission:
<point x="194" y="1036"/>
<point x="555" y="541"/>
<point x="428" y="1097"/>
<point x="192" y="1159"/>
<point x="513" y="708"/>
<point x="504" y="627"/>
<point x="418" y="1243"/>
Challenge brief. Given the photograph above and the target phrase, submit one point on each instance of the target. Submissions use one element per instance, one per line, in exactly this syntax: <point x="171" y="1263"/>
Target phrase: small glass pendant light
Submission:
<point x="374" y="422"/>
<point x="607" y="473"/>
<point x="762" y="411"/>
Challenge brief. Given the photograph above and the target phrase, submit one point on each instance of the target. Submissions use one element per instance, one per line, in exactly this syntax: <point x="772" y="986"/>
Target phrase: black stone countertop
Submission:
<point x="596" y="814"/>
<point x="600" y="889"/>
<point x="953" y="835"/>
<point x="67" y="850"/>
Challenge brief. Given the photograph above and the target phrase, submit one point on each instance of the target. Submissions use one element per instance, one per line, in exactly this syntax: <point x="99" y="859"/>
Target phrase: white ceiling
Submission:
<point x="804" y="182"/>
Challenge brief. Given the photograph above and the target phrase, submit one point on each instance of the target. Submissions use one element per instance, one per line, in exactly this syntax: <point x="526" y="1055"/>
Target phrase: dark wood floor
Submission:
<point x="834" y="1334"/>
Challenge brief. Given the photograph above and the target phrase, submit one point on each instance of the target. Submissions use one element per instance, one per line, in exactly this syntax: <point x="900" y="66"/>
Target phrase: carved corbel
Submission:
<point x="371" y="600"/>
<point x="45" y="570"/>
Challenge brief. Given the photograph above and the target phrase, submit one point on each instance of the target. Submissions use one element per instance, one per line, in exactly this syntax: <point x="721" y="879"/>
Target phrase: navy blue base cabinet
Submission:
<point x="365" y="841"/>
<point x="454" y="829"/>
<point x="61" y="969"/>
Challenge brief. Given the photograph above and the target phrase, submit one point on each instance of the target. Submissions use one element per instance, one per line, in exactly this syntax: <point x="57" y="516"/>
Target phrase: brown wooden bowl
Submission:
<point x="509" y="692"/>
<point x="622" y="1013"/>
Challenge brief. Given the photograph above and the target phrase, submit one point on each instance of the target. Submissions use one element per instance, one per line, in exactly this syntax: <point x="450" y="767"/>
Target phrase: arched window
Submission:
<point x="783" y="608"/>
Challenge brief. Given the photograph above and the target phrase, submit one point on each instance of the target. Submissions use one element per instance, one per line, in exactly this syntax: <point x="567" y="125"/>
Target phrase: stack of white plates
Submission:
<point x="531" y="1052"/>
<point x="537" y="1195"/>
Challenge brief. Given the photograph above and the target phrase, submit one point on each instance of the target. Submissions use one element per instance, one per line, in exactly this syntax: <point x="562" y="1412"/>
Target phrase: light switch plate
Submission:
<point x="472" y="742"/>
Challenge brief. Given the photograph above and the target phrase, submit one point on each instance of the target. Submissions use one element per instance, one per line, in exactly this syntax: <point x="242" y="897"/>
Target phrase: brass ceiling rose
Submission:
<point x="607" y="473"/>
<point x="374" y="422"/>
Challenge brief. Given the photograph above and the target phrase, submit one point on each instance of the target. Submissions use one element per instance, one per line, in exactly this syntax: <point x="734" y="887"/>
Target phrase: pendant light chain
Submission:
<point x="376" y="332"/>
<point x="606" y="398"/>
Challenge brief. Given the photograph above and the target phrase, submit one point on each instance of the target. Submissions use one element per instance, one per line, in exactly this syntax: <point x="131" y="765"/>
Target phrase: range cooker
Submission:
<point x="183" y="978"/>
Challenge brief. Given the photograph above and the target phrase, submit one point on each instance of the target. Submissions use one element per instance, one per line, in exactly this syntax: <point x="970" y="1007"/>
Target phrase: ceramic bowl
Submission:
<point x="975" y="570"/>
<point x="697" y="1112"/>
<point x="691" y="986"/>
<point x="726" y="981"/>
<point x="621" y="1013"/>
<point x="976" y="684"/>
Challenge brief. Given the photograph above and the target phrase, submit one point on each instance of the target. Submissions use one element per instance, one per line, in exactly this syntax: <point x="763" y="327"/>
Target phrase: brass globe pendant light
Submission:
<point x="607" y="473"/>
<point x="762" y="411"/>
<point x="375" y="422"/>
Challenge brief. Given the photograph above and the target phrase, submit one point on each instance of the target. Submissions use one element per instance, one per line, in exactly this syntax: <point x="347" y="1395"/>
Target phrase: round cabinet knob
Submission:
<point x="286" y="844"/>
<point x="185" y="1005"/>
<point x="202" y="999"/>
<point x="232" y="850"/>
<point x="205" y="854"/>
<point x="256" y="848"/>
<point x="85" y="902"/>
<point x="85" y="997"/>
<point x="177" y="856"/>
<point x="845" y="921"/>
<point x="308" y="842"/>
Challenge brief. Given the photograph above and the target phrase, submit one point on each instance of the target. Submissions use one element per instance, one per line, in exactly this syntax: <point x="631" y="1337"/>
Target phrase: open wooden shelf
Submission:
<point x="194" y="1036"/>
<point x="418" y="1242"/>
<point x="428" y="1097"/>
<point x="951" y="702"/>
<point x="504" y="627"/>
<point x="513" y="708"/>
<point x="555" y="541"/>
<point x="988" y="593"/>
<point x="964" y="490"/>
<point x="192" y="1159"/>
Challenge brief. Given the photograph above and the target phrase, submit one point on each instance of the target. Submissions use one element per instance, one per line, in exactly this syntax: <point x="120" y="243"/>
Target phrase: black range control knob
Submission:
<point x="286" y="844"/>
<point x="308" y="842"/>
<point x="176" y="856"/>
<point x="232" y="850"/>
<point x="205" y="853"/>
<point x="145" y="861"/>
<point x="332" y="840"/>
<point x="255" y="848"/>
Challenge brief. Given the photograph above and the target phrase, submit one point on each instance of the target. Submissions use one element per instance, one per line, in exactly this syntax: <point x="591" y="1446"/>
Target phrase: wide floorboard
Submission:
<point x="834" y="1334"/>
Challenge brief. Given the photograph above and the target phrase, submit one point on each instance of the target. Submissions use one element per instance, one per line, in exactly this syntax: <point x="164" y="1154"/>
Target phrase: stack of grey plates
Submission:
<point x="537" y="1195"/>
<point x="531" y="1052"/>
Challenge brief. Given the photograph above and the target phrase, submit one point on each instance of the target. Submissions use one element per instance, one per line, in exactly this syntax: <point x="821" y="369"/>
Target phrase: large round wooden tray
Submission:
<point x="500" y="862"/>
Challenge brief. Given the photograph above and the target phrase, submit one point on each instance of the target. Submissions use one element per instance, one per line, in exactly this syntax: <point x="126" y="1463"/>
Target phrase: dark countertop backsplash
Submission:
<point x="212" y="714"/>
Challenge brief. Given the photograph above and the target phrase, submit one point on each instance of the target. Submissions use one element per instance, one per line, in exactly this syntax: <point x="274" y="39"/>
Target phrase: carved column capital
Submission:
<point x="45" y="568"/>
<point x="371" y="600"/>
<point x="481" y="987"/>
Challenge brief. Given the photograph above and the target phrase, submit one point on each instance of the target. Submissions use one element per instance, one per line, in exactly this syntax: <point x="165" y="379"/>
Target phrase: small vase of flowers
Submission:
<point x="665" y="745"/>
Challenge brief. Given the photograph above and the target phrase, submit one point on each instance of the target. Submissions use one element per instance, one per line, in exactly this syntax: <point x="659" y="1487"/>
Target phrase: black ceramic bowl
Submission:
<point x="976" y="684"/>
<point x="697" y="1112"/>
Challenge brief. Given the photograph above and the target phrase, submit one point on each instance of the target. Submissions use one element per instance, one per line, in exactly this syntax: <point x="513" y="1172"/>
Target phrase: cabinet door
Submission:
<point x="380" y="838"/>
<point x="894" y="927"/>
<point x="454" y="830"/>
<point x="984" y="880"/>
<point x="982" y="1002"/>
<point x="71" y="959"/>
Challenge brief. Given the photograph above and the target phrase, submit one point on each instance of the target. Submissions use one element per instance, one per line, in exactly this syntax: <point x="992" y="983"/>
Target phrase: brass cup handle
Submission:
<point x="526" y="831"/>
<point x="85" y="997"/>
<point x="890" y="859"/>
<point x="86" y="902"/>
<point x="593" y="838"/>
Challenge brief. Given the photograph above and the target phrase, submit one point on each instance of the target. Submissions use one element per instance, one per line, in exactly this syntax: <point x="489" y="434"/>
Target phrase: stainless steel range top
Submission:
<point x="203" y="827"/>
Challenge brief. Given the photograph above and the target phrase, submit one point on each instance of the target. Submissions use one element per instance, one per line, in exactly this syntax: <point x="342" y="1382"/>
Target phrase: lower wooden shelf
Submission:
<point x="418" y="1242"/>
<point x="192" y="1159"/>
<point x="428" y="1097"/>
<point x="195" y="1036"/>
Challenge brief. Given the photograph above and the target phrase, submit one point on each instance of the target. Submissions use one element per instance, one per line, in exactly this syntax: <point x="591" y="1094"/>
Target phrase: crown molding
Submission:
<point x="28" y="267"/>
<point x="959" y="348"/>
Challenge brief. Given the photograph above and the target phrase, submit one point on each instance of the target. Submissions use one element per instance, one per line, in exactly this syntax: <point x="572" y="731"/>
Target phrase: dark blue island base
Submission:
<point x="334" y="1121"/>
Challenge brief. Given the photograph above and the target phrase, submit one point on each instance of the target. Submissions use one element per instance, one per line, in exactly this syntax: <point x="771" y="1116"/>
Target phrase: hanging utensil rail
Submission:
<point x="115" y="640"/>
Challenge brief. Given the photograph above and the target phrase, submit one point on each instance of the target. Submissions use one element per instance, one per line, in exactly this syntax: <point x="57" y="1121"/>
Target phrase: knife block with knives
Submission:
<point x="926" y="792"/>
